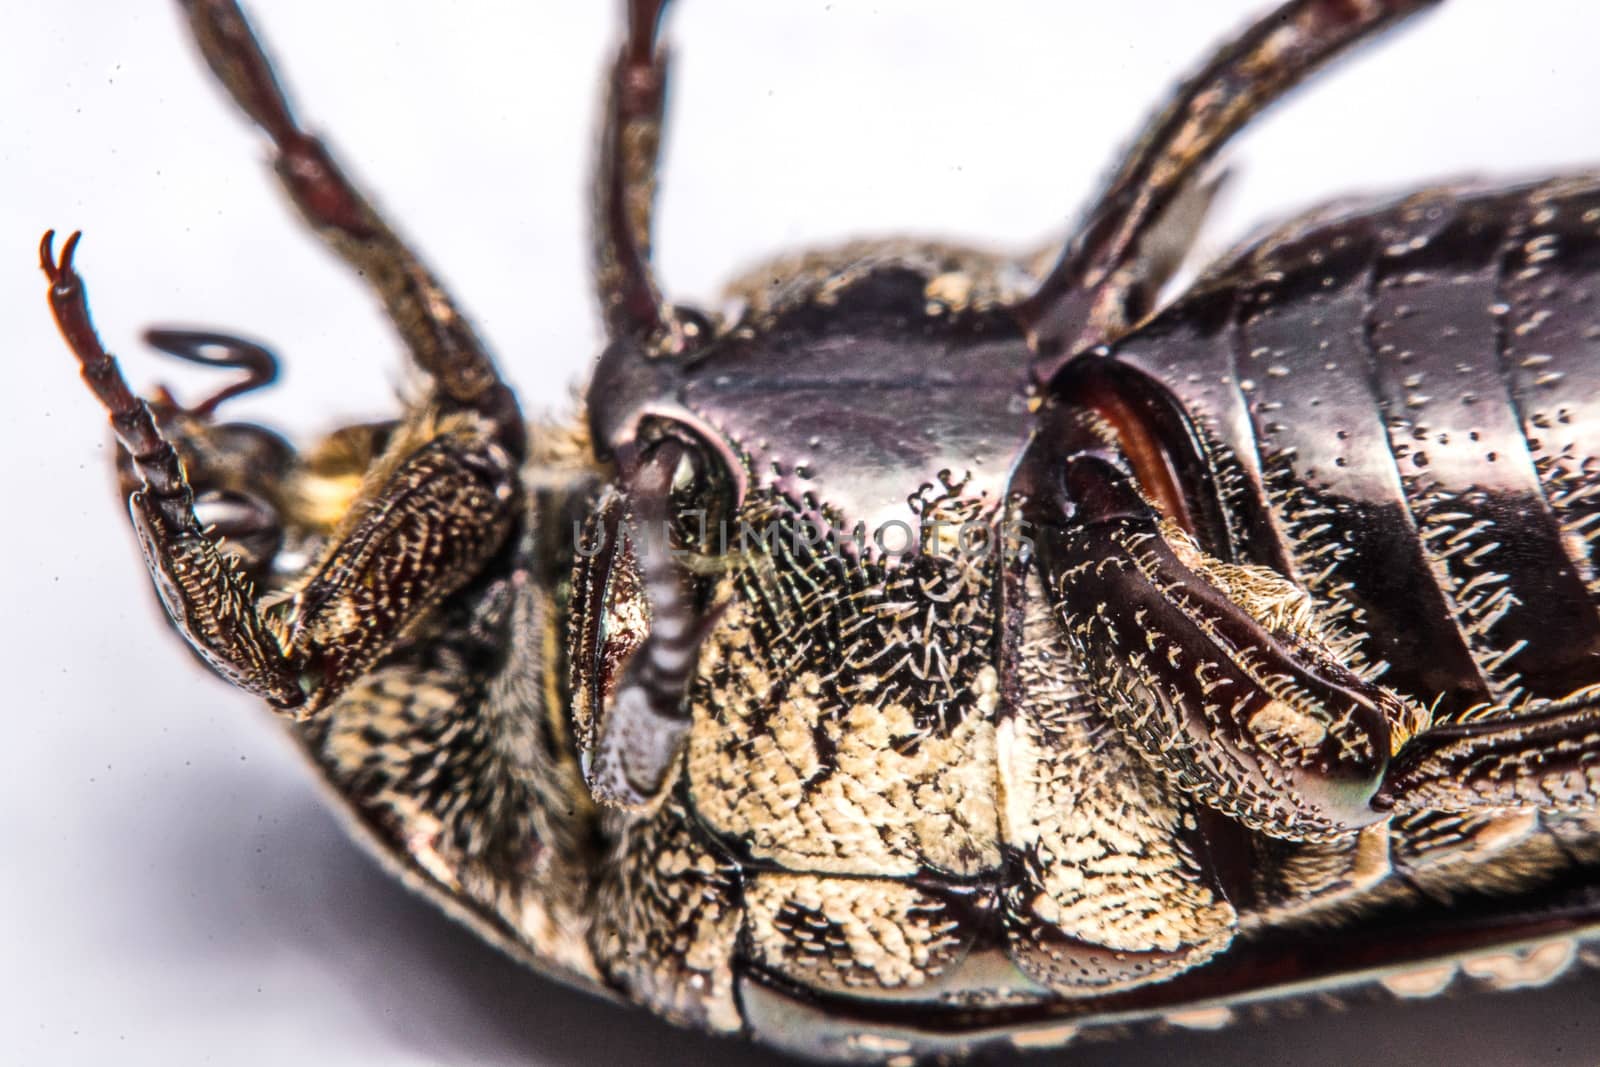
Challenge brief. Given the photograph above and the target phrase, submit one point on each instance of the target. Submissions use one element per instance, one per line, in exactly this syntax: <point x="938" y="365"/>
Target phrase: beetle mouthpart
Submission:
<point x="639" y="747"/>
<point x="645" y="728"/>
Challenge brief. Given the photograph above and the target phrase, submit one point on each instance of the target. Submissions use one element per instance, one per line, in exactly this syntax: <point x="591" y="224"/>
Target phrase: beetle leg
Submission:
<point x="1544" y="758"/>
<point x="437" y="506"/>
<point x="187" y="568"/>
<point x="440" y="339"/>
<point x="1218" y="672"/>
<point x="625" y="186"/>
<point x="1102" y="279"/>
<point x="238" y="471"/>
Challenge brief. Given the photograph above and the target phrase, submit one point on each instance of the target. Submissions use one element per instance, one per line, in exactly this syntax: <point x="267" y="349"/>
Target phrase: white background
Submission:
<point x="172" y="890"/>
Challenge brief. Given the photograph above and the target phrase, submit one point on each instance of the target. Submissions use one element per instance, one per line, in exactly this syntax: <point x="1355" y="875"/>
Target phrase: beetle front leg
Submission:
<point x="439" y="505"/>
<point x="632" y="721"/>
<point x="440" y="339"/>
<point x="203" y="591"/>
<point x="1104" y="275"/>
<point x="238" y="470"/>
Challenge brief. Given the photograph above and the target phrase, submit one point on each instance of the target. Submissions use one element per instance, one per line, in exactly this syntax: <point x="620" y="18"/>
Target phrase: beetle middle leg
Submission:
<point x="1219" y="673"/>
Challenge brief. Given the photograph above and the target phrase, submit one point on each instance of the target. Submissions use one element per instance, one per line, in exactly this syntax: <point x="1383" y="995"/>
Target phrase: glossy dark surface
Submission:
<point x="1397" y="402"/>
<point x="855" y="403"/>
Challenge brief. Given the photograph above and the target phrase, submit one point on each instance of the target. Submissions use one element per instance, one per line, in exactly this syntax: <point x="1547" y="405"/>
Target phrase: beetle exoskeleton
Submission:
<point x="933" y="653"/>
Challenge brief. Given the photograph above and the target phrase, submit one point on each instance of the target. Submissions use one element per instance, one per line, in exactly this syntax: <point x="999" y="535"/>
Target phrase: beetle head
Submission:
<point x="849" y="433"/>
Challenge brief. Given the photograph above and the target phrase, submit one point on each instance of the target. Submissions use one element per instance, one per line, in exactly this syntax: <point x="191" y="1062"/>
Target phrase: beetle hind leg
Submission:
<point x="1545" y="757"/>
<point x="1110" y="269"/>
<point x="260" y="366"/>
<point x="1230" y="685"/>
<point x="1220" y="674"/>
<point x="240" y="472"/>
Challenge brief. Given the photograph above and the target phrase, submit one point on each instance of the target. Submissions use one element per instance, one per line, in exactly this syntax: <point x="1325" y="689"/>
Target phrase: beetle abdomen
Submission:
<point x="1399" y="408"/>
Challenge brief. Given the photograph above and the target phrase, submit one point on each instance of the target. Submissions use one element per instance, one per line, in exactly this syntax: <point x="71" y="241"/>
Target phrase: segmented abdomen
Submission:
<point x="1400" y="408"/>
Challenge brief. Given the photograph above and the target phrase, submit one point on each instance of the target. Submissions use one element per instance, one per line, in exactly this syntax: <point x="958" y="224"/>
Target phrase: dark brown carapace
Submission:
<point x="930" y="656"/>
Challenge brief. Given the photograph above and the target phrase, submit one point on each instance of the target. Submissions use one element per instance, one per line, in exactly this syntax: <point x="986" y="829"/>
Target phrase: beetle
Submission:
<point x="1148" y="473"/>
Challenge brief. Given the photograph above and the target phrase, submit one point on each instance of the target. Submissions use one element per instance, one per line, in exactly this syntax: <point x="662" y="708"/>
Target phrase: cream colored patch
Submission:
<point x="1279" y="718"/>
<point x="1016" y="759"/>
<point x="322" y="502"/>
<point x="1523" y="968"/>
<point x="846" y="934"/>
<point x="880" y="811"/>
<point x="958" y="278"/>
<point x="878" y="1044"/>
<point x="952" y="289"/>
<point x="420" y="841"/>
<point x="1201" y="1018"/>
<point x="1044" y="1036"/>
<point x="864" y="787"/>
<point x="1419" y="983"/>
<point x="1372" y="856"/>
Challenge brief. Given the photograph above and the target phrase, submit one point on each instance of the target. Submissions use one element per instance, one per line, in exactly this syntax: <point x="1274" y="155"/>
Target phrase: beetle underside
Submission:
<point x="936" y="654"/>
